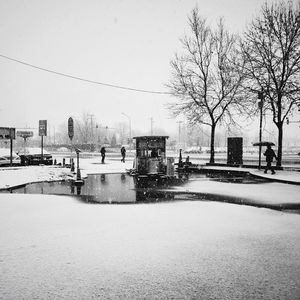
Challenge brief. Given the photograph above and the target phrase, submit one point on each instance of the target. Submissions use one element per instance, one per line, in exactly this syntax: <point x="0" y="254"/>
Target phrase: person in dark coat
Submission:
<point x="123" y="153"/>
<point x="102" y="151"/>
<point x="269" y="154"/>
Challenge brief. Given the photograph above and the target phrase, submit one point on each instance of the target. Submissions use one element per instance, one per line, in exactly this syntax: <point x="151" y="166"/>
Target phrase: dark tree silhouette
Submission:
<point x="271" y="47"/>
<point x="206" y="77"/>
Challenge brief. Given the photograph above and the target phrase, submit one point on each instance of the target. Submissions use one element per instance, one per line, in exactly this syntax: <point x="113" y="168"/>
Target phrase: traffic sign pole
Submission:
<point x="42" y="133"/>
<point x="11" y="150"/>
<point x="42" y="154"/>
<point x="71" y="134"/>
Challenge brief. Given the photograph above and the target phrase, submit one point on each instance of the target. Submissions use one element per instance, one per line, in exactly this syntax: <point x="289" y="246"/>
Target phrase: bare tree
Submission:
<point x="272" y="52"/>
<point x="62" y="134"/>
<point x="83" y="128"/>
<point x="206" y="77"/>
<point x="123" y="132"/>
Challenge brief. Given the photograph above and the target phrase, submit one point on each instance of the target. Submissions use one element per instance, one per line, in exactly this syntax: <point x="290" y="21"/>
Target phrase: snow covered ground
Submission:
<point x="57" y="247"/>
<point x="280" y="176"/>
<point x="14" y="176"/>
<point x="267" y="194"/>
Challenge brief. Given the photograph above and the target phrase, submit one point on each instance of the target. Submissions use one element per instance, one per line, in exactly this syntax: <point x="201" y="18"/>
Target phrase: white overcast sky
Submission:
<point x="121" y="42"/>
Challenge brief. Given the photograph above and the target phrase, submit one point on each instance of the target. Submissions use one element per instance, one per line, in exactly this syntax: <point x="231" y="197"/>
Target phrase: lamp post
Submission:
<point x="260" y="106"/>
<point x="179" y="134"/>
<point x="129" y="120"/>
<point x="71" y="135"/>
<point x="78" y="180"/>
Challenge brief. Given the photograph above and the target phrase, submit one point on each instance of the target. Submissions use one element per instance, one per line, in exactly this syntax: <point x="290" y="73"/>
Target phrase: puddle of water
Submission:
<point x="122" y="188"/>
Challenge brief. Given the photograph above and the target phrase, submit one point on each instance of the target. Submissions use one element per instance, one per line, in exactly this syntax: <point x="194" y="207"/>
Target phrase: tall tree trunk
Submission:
<point x="212" y="144"/>
<point x="279" y="151"/>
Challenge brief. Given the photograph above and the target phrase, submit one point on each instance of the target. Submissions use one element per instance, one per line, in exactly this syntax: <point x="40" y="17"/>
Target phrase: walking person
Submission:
<point x="102" y="151"/>
<point x="269" y="154"/>
<point x="123" y="153"/>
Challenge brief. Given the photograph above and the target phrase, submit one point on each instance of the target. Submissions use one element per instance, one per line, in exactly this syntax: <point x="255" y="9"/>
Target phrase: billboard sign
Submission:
<point x="42" y="127"/>
<point x="70" y="128"/>
<point x="24" y="134"/>
<point x="7" y="133"/>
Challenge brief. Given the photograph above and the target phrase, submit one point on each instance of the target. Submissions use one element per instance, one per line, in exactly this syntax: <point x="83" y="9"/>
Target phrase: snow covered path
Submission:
<point x="287" y="176"/>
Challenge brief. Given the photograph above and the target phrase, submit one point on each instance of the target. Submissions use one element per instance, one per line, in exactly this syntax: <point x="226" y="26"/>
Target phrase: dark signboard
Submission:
<point x="235" y="151"/>
<point x="42" y="127"/>
<point x="70" y="128"/>
<point x="7" y="133"/>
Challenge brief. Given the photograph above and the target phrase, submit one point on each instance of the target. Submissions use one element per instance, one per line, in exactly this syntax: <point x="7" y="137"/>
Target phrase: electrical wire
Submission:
<point x="83" y="79"/>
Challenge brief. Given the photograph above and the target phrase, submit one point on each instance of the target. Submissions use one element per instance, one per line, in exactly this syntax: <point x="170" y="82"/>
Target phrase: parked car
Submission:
<point x="33" y="156"/>
<point x="5" y="158"/>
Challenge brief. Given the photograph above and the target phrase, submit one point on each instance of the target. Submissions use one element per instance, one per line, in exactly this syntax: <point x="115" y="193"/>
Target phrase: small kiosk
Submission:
<point x="150" y="159"/>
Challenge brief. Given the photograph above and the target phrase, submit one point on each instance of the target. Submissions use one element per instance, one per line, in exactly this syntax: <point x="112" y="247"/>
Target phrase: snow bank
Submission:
<point x="14" y="176"/>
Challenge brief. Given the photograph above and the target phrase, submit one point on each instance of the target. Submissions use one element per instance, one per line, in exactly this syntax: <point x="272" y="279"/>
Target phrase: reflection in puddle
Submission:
<point x="106" y="188"/>
<point x="122" y="188"/>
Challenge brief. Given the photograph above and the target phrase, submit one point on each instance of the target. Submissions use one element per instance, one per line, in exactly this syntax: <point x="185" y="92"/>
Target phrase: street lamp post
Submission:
<point x="129" y="120"/>
<point x="260" y="106"/>
<point x="179" y="134"/>
<point x="78" y="180"/>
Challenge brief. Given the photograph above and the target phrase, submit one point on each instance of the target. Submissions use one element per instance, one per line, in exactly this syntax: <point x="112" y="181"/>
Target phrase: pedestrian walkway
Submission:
<point x="284" y="176"/>
<point x="291" y="177"/>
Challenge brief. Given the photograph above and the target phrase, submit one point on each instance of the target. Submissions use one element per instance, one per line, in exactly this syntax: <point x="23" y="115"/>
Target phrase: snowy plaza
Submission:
<point x="58" y="247"/>
<point x="150" y="149"/>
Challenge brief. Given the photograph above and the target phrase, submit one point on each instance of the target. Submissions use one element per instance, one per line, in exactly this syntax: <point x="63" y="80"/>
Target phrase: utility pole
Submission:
<point x="91" y="116"/>
<point x="260" y="106"/>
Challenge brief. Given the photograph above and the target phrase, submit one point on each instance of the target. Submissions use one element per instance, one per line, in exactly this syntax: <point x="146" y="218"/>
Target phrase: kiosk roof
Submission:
<point x="151" y="137"/>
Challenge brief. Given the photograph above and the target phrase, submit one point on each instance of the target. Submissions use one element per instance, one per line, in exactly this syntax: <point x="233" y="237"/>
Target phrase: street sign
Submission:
<point x="42" y="127"/>
<point x="24" y="134"/>
<point x="70" y="128"/>
<point x="7" y="133"/>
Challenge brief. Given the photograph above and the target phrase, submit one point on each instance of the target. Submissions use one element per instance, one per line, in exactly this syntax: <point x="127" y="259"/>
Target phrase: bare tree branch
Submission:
<point x="271" y="49"/>
<point x="206" y="77"/>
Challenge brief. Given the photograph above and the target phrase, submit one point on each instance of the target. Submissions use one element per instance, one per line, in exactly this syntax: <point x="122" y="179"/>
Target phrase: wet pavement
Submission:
<point x="223" y="187"/>
<point x="123" y="188"/>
